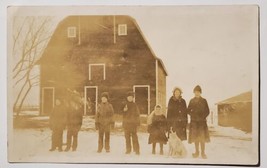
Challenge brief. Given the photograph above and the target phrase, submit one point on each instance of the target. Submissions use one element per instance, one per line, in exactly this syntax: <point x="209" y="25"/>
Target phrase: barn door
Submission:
<point x="91" y="96"/>
<point x="142" y="98"/>
<point x="48" y="99"/>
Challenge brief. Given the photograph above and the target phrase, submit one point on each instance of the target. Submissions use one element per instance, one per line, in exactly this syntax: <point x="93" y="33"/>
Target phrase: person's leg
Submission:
<point x="69" y="134"/>
<point x="100" y="139"/>
<point x="127" y="136"/>
<point x="161" y="148"/>
<point x="75" y="139"/>
<point x="196" y="154"/>
<point x="107" y="140"/>
<point x="153" y="148"/>
<point x="60" y="140"/>
<point x="203" y="154"/>
<point x="53" y="141"/>
<point x="135" y="141"/>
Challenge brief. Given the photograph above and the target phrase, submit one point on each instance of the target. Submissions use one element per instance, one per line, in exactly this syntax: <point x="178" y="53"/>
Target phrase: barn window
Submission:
<point x="122" y="29"/>
<point x="97" y="72"/>
<point x="71" y="32"/>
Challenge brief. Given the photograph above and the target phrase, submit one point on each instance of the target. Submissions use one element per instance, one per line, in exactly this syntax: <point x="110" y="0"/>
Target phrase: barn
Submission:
<point x="236" y="112"/>
<point x="93" y="54"/>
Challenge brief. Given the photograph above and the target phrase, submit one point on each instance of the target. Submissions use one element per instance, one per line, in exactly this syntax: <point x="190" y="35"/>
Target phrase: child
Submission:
<point x="103" y="122"/>
<point x="157" y="127"/>
<point x="131" y="121"/>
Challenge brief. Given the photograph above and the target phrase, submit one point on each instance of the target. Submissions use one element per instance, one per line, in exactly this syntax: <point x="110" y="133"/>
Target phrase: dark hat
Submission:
<point x="130" y="93"/>
<point x="198" y="88"/>
<point x="105" y="94"/>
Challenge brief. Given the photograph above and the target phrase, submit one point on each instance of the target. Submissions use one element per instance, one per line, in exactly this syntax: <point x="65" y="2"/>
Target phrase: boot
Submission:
<point x="195" y="155"/>
<point x="52" y="149"/>
<point x="67" y="149"/>
<point x="204" y="156"/>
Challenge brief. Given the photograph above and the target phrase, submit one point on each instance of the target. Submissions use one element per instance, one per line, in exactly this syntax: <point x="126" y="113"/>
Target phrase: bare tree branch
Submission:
<point x="29" y="41"/>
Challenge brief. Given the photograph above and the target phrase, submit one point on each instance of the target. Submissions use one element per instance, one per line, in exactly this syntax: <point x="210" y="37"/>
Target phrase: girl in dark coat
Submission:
<point x="177" y="114"/>
<point x="157" y="127"/>
<point x="198" y="109"/>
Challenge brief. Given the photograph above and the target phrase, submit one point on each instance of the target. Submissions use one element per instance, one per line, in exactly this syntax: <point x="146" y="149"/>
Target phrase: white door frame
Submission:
<point x="148" y="94"/>
<point x="85" y="97"/>
<point x="43" y="89"/>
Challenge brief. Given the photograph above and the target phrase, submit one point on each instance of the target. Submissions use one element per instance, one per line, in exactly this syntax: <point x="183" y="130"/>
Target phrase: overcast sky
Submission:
<point x="215" y="47"/>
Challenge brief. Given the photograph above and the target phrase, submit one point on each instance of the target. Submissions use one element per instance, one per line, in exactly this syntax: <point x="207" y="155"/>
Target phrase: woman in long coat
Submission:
<point x="198" y="109"/>
<point x="177" y="114"/>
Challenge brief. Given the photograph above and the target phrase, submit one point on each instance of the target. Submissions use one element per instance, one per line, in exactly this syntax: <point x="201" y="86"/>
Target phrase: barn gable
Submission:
<point x="102" y="53"/>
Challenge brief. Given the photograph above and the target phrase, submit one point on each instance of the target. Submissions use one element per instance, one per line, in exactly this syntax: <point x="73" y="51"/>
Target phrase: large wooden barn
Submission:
<point x="236" y="112"/>
<point x="93" y="54"/>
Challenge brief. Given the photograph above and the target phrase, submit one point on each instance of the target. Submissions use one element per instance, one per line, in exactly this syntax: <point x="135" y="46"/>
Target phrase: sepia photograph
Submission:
<point x="134" y="84"/>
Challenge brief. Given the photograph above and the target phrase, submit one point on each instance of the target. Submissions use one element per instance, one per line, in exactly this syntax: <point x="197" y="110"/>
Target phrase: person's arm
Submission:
<point x="138" y="115"/>
<point x="112" y="116"/>
<point x="169" y="114"/>
<point x="207" y="110"/>
<point x="51" y="119"/>
<point x="190" y="108"/>
<point x="185" y="114"/>
<point x="97" y="117"/>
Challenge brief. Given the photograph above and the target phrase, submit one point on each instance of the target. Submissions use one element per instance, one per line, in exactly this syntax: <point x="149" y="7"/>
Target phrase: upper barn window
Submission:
<point x="122" y="29"/>
<point x="71" y="32"/>
<point x="97" y="72"/>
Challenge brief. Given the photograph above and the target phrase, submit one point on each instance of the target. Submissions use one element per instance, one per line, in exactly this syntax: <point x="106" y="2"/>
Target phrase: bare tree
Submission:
<point x="30" y="37"/>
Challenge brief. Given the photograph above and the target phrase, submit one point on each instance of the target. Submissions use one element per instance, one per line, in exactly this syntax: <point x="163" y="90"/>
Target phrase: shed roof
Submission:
<point x="241" y="98"/>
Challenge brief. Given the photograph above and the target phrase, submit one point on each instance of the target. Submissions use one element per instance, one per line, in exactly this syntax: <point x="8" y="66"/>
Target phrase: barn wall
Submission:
<point x="162" y="87"/>
<point x="128" y="62"/>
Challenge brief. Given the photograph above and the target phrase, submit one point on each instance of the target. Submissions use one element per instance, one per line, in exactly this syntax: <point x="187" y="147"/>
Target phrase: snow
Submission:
<point x="32" y="145"/>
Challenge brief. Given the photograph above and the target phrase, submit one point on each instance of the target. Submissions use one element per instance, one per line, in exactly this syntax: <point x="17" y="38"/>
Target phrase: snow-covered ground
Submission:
<point x="227" y="146"/>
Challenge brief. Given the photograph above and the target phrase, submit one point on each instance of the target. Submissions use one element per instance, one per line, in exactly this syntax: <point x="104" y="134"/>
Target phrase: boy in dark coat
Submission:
<point x="74" y="123"/>
<point x="198" y="109"/>
<point x="131" y="120"/>
<point x="104" y="121"/>
<point x="57" y="122"/>
<point x="157" y="128"/>
<point x="177" y="114"/>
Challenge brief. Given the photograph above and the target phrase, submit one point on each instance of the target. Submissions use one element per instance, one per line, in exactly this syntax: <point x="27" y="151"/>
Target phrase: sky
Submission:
<point x="211" y="46"/>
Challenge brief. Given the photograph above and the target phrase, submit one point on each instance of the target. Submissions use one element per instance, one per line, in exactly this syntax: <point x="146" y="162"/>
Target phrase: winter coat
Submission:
<point x="177" y="116"/>
<point x="131" y="117"/>
<point x="58" y="118"/>
<point x="104" y="114"/>
<point x="198" y="110"/>
<point x="75" y="118"/>
<point x="157" y="129"/>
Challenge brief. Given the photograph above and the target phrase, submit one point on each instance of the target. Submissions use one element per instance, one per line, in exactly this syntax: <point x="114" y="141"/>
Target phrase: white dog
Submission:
<point x="176" y="146"/>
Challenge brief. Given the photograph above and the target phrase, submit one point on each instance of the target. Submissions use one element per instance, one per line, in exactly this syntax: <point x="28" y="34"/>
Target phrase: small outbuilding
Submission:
<point x="236" y="112"/>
